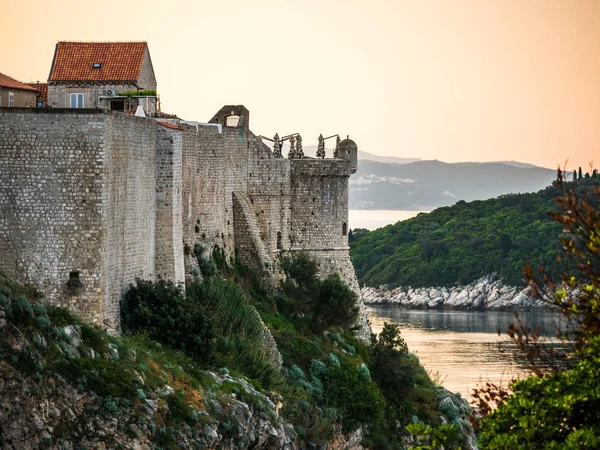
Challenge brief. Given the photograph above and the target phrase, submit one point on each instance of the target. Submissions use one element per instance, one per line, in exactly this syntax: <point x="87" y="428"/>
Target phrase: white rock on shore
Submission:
<point x="487" y="293"/>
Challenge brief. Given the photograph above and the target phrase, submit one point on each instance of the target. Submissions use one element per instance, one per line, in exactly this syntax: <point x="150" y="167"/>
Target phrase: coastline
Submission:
<point x="485" y="294"/>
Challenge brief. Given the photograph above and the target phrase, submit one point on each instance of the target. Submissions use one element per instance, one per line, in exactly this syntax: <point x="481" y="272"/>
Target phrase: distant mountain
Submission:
<point x="311" y="150"/>
<point x="424" y="185"/>
<point x="518" y="164"/>
<point x="386" y="159"/>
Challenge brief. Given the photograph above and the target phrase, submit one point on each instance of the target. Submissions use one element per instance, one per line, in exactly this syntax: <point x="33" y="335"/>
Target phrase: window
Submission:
<point x="11" y="100"/>
<point x="232" y="121"/>
<point x="76" y="100"/>
<point x="97" y="65"/>
<point x="344" y="229"/>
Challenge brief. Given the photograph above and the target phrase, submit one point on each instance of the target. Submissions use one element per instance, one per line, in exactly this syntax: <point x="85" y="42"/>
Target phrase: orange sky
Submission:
<point x="455" y="80"/>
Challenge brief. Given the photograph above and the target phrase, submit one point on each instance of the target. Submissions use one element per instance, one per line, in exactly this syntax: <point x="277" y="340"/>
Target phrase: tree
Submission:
<point x="560" y="408"/>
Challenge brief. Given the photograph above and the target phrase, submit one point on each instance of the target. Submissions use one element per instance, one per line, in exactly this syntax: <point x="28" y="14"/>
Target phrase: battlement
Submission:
<point x="321" y="167"/>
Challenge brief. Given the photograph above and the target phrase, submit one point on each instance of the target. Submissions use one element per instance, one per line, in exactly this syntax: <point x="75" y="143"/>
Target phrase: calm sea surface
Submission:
<point x="377" y="218"/>
<point x="462" y="346"/>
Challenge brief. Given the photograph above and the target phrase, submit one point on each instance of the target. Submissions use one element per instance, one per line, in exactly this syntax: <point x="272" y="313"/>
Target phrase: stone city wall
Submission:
<point x="129" y="214"/>
<point x="51" y="192"/>
<point x="93" y="199"/>
<point x="269" y="191"/>
<point x="77" y="195"/>
<point x="169" y="208"/>
<point x="319" y="196"/>
<point x="203" y="201"/>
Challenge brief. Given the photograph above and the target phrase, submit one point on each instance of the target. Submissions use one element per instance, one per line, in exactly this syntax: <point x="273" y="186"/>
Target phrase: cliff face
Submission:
<point x="51" y="413"/>
<point x="485" y="294"/>
<point x="74" y="387"/>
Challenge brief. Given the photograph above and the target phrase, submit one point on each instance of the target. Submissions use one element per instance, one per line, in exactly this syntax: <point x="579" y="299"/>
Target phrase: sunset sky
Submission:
<point x="454" y="80"/>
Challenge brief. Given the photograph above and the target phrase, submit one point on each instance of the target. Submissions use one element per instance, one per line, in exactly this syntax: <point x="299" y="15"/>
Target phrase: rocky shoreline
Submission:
<point x="488" y="293"/>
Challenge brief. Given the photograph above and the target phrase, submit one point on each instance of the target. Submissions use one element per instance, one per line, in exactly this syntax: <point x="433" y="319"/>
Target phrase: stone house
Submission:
<point x="93" y="74"/>
<point x="14" y="94"/>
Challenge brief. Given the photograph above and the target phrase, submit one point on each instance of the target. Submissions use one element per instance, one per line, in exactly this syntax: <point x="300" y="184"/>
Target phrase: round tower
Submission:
<point x="348" y="150"/>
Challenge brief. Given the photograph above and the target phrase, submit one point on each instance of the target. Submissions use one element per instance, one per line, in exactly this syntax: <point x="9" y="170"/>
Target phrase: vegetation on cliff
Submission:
<point x="464" y="242"/>
<point x="194" y="368"/>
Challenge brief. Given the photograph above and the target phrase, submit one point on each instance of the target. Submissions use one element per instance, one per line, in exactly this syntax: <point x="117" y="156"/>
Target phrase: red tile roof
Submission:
<point x="169" y="125"/>
<point x="11" y="83"/>
<point x="42" y="88"/>
<point x="120" y="61"/>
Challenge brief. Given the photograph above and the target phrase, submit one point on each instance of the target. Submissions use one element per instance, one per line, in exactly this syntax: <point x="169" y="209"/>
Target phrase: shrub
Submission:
<point x="358" y="400"/>
<point x="162" y="310"/>
<point x="404" y="382"/>
<point x="330" y="302"/>
<point x="560" y="410"/>
<point x="237" y="326"/>
<point x="104" y="377"/>
<point x="335" y="305"/>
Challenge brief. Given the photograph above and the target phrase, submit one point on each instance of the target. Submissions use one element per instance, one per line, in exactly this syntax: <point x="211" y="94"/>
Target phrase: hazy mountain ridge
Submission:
<point x="430" y="184"/>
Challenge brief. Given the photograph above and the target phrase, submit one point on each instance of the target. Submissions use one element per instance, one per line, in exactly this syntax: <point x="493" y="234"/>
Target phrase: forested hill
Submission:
<point x="461" y="243"/>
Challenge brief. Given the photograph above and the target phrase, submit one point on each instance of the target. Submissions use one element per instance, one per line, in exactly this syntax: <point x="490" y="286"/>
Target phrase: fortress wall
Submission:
<point x="319" y="193"/>
<point x="269" y="191"/>
<point x="53" y="173"/>
<point x="235" y="175"/>
<point x="203" y="200"/>
<point x="169" y="187"/>
<point x="129" y="202"/>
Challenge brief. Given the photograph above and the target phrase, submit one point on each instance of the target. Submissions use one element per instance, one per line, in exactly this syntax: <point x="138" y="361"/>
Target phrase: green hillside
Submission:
<point x="463" y="242"/>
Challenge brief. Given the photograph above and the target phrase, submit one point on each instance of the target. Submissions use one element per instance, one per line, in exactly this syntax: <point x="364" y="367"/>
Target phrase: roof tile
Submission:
<point x="11" y="83"/>
<point x="169" y="125"/>
<point x="120" y="61"/>
<point x="43" y="90"/>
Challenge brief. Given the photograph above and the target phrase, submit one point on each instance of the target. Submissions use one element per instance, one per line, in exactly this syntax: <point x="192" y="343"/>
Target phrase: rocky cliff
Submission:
<point x="486" y="294"/>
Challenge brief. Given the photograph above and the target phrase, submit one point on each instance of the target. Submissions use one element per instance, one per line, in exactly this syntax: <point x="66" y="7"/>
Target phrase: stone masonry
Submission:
<point x="92" y="199"/>
<point x="77" y="191"/>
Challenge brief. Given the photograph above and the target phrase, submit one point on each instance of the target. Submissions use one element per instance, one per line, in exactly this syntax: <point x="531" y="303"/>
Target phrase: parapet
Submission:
<point x="321" y="167"/>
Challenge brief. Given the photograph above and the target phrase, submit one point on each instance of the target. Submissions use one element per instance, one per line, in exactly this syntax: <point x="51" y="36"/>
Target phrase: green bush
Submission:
<point x="335" y="305"/>
<point x="404" y="382"/>
<point x="163" y="311"/>
<point x="104" y="377"/>
<point x="237" y="326"/>
<point x="347" y="389"/>
<point x="558" y="411"/>
<point x="329" y="302"/>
